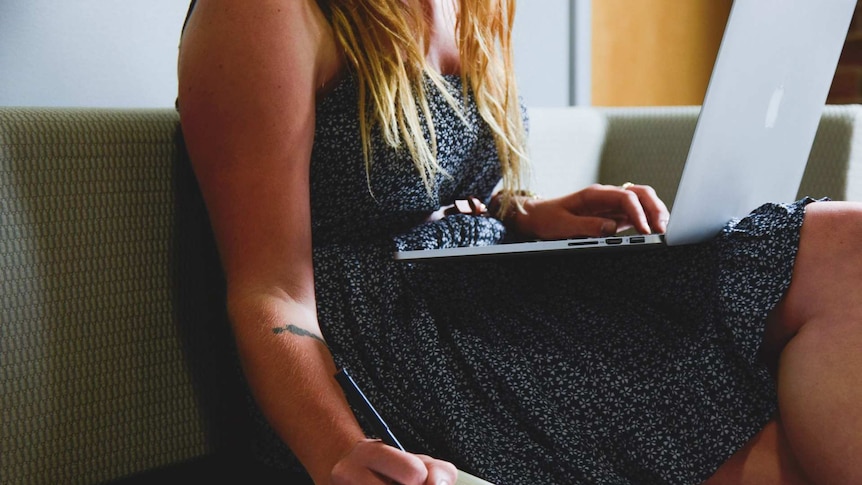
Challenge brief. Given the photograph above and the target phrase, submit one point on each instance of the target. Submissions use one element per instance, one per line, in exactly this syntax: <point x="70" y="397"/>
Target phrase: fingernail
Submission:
<point x="608" y="228"/>
<point x="443" y="482"/>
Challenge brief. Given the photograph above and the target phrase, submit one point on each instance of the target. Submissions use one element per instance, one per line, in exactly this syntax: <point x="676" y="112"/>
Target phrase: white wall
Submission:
<point x="122" y="53"/>
<point x="105" y="53"/>
<point x="542" y="55"/>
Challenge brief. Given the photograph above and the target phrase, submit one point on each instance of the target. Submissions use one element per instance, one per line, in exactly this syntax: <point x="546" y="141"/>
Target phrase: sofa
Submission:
<point x="116" y="358"/>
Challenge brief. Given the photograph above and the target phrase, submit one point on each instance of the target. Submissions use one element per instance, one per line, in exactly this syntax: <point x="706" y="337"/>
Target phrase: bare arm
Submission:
<point x="248" y="78"/>
<point x="248" y="123"/>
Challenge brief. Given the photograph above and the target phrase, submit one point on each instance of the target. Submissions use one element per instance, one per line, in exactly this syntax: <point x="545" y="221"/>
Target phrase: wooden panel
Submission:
<point x="654" y="52"/>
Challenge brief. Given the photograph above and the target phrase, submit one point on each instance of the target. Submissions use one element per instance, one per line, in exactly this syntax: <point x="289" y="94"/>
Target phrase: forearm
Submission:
<point x="290" y="371"/>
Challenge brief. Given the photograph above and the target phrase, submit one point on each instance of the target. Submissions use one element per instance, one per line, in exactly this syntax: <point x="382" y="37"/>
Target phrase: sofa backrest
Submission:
<point x="573" y="147"/>
<point x="650" y="145"/>
<point x="111" y="307"/>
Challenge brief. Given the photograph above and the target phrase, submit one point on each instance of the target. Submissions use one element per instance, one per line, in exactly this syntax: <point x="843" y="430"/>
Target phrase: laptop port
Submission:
<point x="613" y="241"/>
<point x="588" y="242"/>
<point x="637" y="240"/>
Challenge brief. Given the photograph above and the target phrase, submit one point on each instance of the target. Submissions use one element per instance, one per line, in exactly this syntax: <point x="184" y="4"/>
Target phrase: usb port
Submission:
<point x="637" y="240"/>
<point x="612" y="241"/>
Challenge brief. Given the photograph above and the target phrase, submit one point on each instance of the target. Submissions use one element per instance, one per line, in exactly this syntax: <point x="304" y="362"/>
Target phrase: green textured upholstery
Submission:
<point x="650" y="145"/>
<point x="115" y="354"/>
<point x="110" y="311"/>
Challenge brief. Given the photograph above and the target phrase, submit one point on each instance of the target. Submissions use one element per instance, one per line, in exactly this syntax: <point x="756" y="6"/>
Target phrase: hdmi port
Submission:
<point x="637" y="240"/>
<point x="613" y="241"/>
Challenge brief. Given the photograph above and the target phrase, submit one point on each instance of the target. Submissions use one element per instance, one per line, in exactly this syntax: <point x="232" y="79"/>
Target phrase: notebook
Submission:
<point x="755" y="129"/>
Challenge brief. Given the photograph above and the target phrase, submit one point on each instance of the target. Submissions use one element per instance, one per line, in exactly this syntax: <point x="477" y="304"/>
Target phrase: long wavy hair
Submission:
<point x="385" y="42"/>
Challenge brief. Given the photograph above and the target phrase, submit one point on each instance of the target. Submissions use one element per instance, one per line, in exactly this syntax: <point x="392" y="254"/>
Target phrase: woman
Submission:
<point x="306" y="125"/>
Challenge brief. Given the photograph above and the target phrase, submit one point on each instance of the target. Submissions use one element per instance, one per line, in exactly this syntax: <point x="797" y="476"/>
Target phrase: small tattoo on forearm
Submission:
<point x="298" y="331"/>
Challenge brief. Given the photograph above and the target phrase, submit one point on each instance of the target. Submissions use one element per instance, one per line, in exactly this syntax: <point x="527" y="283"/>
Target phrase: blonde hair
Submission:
<point x="385" y="42"/>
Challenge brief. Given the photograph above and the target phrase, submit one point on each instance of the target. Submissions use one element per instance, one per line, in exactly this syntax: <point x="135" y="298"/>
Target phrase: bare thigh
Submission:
<point x="766" y="459"/>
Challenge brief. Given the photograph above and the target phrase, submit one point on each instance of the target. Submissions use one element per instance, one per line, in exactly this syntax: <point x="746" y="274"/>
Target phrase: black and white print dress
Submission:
<point x="625" y="368"/>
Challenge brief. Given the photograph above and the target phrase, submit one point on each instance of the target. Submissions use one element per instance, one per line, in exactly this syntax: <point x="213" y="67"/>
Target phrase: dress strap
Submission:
<point x="189" y="14"/>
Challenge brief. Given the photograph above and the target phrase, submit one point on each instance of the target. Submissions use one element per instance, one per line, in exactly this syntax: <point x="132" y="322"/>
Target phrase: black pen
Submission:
<point x="357" y="399"/>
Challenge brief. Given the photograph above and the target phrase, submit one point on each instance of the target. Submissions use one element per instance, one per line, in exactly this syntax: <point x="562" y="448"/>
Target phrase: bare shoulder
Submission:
<point x="249" y="72"/>
<point x="286" y="39"/>
<point x="249" y="75"/>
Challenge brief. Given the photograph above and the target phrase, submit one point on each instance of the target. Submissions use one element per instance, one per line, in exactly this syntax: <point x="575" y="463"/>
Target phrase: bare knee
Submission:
<point x="826" y="285"/>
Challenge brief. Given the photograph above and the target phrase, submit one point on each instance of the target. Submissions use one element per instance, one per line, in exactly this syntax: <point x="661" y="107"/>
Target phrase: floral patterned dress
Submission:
<point x="623" y="368"/>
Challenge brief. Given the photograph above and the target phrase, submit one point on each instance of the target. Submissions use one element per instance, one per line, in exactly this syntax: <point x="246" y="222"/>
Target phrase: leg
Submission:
<point x="766" y="459"/>
<point x="817" y="330"/>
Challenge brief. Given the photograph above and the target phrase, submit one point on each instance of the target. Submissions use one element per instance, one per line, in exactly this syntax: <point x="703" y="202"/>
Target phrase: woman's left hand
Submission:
<point x="598" y="210"/>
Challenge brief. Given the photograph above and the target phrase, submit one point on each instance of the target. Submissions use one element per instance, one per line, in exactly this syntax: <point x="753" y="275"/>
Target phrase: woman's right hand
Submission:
<point x="374" y="462"/>
<point x="596" y="211"/>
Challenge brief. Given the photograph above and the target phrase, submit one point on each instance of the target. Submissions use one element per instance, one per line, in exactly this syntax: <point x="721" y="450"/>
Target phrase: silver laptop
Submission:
<point x="754" y="132"/>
